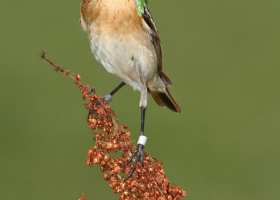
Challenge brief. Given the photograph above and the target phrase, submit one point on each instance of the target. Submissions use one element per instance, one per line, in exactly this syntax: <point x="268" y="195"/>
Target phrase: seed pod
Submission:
<point x="117" y="169"/>
<point x="129" y="145"/>
<point x="142" y="187"/>
<point x="92" y="99"/>
<point x="183" y="193"/>
<point x="109" y="146"/>
<point x="157" y="193"/>
<point x="134" y="189"/>
<point x="123" y="147"/>
<point x="180" y="192"/>
<point x="96" y="160"/>
<point x="159" y="165"/>
<point x="146" y="194"/>
<point x="117" y="190"/>
<point x="113" y="179"/>
<point x="115" y="147"/>
<point x="103" y="162"/>
<point x="107" y="158"/>
<point x="100" y="155"/>
<point x="106" y="176"/>
<point x="122" y="197"/>
<point x="90" y="152"/>
<point x="150" y="185"/>
<point x="146" y="163"/>
<point x="102" y="169"/>
<point x="113" y="185"/>
<point x="169" y="197"/>
<point x="103" y="136"/>
<point x="151" y="170"/>
<point x="103" y="146"/>
<point x="126" y="193"/>
<point x="175" y="190"/>
<point x="84" y="95"/>
<point x="170" y="190"/>
<point x="88" y="161"/>
<point x="144" y="179"/>
<point x="134" y="182"/>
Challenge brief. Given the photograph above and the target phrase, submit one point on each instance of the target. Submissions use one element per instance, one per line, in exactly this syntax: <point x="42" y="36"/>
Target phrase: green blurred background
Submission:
<point x="223" y="60"/>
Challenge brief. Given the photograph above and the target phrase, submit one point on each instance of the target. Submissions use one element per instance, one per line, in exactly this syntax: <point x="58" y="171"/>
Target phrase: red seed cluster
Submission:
<point x="78" y="77"/>
<point x="83" y="197"/>
<point x="148" y="181"/>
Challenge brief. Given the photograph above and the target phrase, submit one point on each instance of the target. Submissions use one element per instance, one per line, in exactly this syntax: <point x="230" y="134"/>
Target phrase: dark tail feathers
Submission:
<point x="164" y="99"/>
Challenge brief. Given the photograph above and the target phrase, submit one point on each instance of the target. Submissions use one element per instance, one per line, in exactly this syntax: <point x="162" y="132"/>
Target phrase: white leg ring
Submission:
<point x="142" y="140"/>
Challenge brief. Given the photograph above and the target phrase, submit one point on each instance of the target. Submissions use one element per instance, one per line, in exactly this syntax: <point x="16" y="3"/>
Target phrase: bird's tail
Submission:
<point x="164" y="99"/>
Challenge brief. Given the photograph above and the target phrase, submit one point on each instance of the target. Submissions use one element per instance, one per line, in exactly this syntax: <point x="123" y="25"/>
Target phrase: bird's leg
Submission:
<point x="139" y="152"/>
<point x="108" y="97"/>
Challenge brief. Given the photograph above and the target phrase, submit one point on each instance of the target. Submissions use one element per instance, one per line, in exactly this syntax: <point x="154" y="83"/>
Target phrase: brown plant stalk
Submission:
<point x="148" y="181"/>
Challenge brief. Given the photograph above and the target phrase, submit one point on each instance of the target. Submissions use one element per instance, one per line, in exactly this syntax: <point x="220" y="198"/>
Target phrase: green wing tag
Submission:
<point x="140" y="6"/>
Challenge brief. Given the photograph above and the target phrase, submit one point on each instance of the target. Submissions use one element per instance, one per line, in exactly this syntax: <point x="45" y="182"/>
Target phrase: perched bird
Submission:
<point x="128" y="46"/>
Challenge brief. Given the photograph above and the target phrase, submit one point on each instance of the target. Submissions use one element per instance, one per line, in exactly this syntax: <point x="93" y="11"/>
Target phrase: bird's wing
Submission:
<point x="154" y="37"/>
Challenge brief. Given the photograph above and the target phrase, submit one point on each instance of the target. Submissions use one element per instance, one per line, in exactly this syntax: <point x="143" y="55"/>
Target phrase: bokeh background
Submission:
<point x="223" y="59"/>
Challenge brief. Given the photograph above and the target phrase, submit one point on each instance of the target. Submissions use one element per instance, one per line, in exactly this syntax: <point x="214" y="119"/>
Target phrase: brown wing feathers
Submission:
<point x="157" y="44"/>
<point x="163" y="99"/>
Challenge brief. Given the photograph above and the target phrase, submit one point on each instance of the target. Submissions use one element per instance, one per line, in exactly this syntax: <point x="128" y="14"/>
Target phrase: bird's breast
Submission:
<point x="119" y="40"/>
<point x="111" y="15"/>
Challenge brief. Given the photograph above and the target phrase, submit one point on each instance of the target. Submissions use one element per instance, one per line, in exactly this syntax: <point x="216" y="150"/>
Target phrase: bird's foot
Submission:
<point x="108" y="98"/>
<point x="92" y="90"/>
<point x="139" y="153"/>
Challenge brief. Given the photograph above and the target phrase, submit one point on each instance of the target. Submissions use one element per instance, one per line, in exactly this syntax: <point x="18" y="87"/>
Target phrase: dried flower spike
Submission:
<point x="148" y="181"/>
